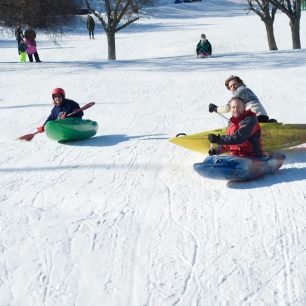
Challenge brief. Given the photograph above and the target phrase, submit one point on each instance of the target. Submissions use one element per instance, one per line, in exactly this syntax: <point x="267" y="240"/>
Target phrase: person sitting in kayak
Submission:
<point x="239" y="89"/>
<point x="243" y="133"/>
<point x="62" y="107"/>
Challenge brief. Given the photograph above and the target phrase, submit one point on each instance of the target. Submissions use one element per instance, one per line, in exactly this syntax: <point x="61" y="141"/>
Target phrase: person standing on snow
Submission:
<point x="30" y="36"/>
<point x="22" y="48"/>
<point x="203" y="47"/>
<point x="239" y="90"/>
<point x="91" y="26"/>
<point x="243" y="133"/>
<point x="62" y="107"/>
<point x="18" y="35"/>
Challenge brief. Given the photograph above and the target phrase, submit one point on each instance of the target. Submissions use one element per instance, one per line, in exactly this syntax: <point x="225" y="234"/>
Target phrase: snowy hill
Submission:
<point x="122" y="218"/>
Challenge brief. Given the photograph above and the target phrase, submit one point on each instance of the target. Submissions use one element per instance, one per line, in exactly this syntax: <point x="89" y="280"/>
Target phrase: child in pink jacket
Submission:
<point x="32" y="50"/>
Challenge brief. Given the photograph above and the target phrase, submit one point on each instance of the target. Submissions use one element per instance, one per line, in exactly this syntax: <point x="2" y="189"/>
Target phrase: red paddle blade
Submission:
<point x="27" y="137"/>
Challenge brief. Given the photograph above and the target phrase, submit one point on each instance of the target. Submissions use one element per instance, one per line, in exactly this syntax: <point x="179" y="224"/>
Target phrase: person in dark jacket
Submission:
<point x="243" y="133"/>
<point x="29" y="33"/>
<point x="18" y="35"/>
<point x="62" y="107"/>
<point x="91" y="27"/>
<point x="203" y="47"/>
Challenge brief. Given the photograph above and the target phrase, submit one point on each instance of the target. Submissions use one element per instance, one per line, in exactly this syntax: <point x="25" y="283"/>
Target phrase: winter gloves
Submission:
<point x="214" y="138"/>
<point x="212" y="108"/>
<point x="40" y="129"/>
<point x="212" y="151"/>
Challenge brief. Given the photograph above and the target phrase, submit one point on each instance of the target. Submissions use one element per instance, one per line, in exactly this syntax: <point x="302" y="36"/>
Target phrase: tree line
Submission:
<point x="46" y="14"/>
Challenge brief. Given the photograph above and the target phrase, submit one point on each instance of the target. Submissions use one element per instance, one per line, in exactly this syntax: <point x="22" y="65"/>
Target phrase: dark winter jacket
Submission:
<point x="243" y="136"/>
<point x="90" y="23"/>
<point x="22" y="47"/>
<point x="204" y="47"/>
<point x="18" y="34"/>
<point x="30" y="34"/>
<point x="67" y="106"/>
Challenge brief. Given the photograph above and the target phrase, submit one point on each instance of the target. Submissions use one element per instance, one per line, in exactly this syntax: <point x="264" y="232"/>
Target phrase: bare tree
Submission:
<point x="118" y="15"/>
<point x="292" y="8"/>
<point x="266" y="12"/>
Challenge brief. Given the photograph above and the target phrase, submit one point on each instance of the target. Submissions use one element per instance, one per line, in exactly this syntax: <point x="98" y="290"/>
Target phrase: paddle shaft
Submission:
<point x="88" y="105"/>
<point x="224" y="117"/>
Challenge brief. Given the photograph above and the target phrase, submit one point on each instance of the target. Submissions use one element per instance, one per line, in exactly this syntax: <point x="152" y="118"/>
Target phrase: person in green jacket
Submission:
<point x="203" y="47"/>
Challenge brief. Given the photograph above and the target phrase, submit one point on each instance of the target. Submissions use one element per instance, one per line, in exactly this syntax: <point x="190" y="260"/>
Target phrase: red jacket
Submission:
<point x="243" y="136"/>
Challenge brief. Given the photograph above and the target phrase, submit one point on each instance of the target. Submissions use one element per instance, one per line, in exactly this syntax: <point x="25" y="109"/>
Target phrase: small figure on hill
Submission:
<point x="203" y="47"/>
<point x="30" y="41"/>
<point x="243" y="133"/>
<point x="19" y="35"/>
<point x="239" y="89"/>
<point x="62" y="107"/>
<point x="22" y="48"/>
<point x="91" y="26"/>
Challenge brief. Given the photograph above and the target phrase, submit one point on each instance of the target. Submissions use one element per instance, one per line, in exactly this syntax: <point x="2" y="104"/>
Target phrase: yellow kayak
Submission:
<point x="275" y="136"/>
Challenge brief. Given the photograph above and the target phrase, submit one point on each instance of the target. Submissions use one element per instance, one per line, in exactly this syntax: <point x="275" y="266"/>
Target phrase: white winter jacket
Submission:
<point x="250" y="99"/>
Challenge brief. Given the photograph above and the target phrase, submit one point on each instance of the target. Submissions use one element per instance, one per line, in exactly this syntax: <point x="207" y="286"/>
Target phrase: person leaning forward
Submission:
<point x="239" y="90"/>
<point x="243" y="133"/>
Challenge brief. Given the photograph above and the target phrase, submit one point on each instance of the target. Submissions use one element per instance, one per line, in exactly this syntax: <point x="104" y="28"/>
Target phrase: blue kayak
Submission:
<point x="235" y="168"/>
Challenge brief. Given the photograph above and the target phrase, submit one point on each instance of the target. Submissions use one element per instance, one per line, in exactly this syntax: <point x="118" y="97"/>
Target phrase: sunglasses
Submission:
<point x="57" y="96"/>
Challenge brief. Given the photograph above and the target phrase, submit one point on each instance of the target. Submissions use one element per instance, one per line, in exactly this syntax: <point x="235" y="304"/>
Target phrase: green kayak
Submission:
<point x="70" y="129"/>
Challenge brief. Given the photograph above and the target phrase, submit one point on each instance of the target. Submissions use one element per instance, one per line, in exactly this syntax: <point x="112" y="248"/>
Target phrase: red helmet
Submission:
<point x="58" y="91"/>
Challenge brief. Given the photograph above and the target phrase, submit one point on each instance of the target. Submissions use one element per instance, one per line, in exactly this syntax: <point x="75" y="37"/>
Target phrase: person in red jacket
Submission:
<point x="243" y="133"/>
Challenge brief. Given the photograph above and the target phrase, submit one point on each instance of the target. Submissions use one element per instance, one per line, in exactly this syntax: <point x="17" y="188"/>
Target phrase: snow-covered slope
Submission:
<point x="122" y="218"/>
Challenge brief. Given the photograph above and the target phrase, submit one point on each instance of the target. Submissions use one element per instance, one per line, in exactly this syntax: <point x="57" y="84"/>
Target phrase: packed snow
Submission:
<point x="122" y="218"/>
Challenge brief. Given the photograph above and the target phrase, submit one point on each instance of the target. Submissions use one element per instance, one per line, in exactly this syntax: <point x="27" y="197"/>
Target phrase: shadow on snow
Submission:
<point x="223" y="61"/>
<point x="112" y="140"/>
<point x="284" y="175"/>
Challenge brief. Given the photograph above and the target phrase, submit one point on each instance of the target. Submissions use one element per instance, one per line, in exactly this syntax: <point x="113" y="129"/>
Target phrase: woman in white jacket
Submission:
<point x="239" y="89"/>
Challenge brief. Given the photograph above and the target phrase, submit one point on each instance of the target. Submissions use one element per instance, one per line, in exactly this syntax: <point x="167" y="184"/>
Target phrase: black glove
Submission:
<point x="214" y="138"/>
<point x="212" y="108"/>
<point x="212" y="151"/>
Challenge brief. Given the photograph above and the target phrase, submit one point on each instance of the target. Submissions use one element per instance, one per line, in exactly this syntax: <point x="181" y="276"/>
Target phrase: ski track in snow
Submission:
<point x="122" y="218"/>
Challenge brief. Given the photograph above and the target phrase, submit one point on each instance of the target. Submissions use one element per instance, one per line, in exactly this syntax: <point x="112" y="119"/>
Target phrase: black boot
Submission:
<point x="37" y="57"/>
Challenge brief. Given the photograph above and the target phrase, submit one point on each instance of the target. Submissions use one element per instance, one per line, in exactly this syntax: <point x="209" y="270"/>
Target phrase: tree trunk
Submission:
<point x="295" y="33"/>
<point x="270" y="35"/>
<point x="111" y="44"/>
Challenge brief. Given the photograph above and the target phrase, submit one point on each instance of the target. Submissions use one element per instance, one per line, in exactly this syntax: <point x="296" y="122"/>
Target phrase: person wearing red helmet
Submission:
<point x="62" y="107"/>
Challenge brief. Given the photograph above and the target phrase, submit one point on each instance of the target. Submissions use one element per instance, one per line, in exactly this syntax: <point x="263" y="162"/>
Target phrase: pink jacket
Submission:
<point x="31" y="46"/>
